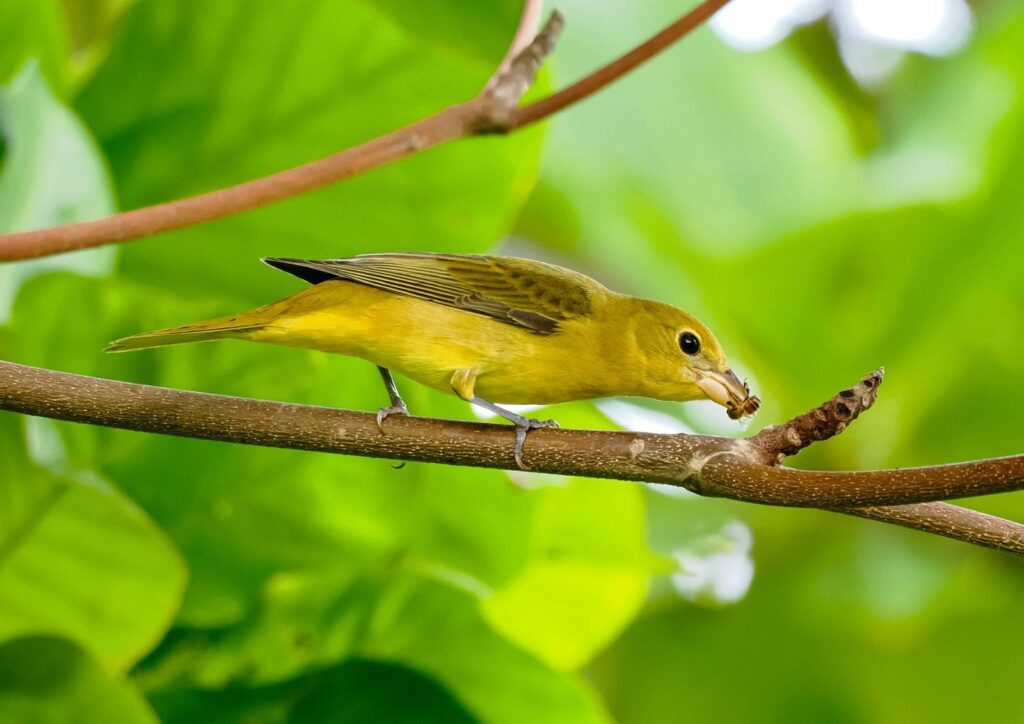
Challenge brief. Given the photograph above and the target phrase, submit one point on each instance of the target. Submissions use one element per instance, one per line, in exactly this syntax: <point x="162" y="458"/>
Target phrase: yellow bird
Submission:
<point x="489" y="329"/>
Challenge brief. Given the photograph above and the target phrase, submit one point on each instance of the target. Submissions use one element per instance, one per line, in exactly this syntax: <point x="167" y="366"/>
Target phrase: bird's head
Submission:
<point x="684" y="361"/>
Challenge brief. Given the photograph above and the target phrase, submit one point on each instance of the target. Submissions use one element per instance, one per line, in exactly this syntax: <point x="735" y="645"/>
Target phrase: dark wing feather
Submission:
<point x="524" y="293"/>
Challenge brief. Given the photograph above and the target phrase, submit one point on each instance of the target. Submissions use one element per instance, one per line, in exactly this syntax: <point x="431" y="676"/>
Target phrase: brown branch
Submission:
<point x="628" y="456"/>
<point x="703" y="464"/>
<point x="492" y="111"/>
<point x="950" y="521"/>
<point x="735" y="478"/>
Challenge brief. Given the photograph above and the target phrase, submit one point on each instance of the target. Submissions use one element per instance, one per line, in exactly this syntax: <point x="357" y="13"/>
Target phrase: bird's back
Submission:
<point x="525" y="293"/>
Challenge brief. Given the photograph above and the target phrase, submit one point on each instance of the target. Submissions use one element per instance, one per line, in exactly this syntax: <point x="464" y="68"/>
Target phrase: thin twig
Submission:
<point x="453" y="122"/>
<point x="479" y="115"/>
<point x="597" y="80"/>
<point x="529" y="21"/>
<point x="706" y="464"/>
<point x="510" y="85"/>
<point x="951" y="521"/>
<point x="776" y="442"/>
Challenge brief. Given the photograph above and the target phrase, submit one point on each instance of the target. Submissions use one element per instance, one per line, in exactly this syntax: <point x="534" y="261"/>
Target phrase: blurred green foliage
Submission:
<point x="820" y="229"/>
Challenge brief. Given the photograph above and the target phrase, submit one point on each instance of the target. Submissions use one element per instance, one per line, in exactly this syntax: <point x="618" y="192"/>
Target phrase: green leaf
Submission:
<point x="79" y="560"/>
<point x="357" y="690"/>
<point x="197" y="96"/>
<point x="587" y="578"/>
<point x="237" y="513"/>
<point x="276" y="540"/>
<point x="54" y="174"/>
<point x="440" y="631"/>
<point x="361" y="691"/>
<point x="49" y="680"/>
<point x="265" y="705"/>
<point x="483" y="29"/>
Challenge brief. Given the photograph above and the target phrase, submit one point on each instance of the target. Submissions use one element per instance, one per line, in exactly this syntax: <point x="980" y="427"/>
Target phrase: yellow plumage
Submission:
<point x="489" y="329"/>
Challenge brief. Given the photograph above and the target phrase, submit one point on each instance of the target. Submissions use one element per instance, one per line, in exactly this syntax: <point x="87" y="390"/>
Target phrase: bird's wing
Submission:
<point x="529" y="294"/>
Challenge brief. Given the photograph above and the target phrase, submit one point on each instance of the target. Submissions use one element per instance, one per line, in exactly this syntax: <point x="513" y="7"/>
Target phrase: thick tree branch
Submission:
<point x="493" y="111"/>
<point x="743" y="480"/>
<point x="629" y="456"/>
<point x="740" y="469"/>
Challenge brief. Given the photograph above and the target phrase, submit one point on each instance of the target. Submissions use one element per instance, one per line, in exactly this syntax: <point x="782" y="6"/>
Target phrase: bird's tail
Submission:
<point x="222" y="328"/>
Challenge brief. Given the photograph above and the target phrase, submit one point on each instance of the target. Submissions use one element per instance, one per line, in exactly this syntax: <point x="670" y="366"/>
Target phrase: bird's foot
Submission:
<point x="523" y="426"/>
<point x="383" y="413"/>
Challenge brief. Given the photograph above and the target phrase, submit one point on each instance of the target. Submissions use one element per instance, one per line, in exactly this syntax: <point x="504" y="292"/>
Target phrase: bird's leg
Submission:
<point x="523" y="425"/>
<point x="397" y="405"/>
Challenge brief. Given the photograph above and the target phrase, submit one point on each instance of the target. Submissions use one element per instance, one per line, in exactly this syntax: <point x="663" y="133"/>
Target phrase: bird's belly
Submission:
<point x="547" y="380"/>
<point x="429" y="343"/>
<point x="423" y="341"/>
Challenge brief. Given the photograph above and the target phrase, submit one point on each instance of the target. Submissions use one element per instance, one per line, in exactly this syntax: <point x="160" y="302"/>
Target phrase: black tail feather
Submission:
<point x="304" y="269"/>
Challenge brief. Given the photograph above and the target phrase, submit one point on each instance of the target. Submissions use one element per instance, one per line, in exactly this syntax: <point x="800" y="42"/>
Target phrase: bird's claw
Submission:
<point x="521" y="429"/>
<point x="383" y="413"/>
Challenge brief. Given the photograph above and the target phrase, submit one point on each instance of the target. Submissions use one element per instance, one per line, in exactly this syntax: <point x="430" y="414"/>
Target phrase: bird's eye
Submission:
<point x="689" y="343"/>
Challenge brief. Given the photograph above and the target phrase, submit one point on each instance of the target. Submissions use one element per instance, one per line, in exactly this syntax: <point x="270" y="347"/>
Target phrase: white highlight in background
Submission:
<point x="721" y="576"/>
<point x="753" y="25"/>
<point x="482" y="413"/>
<point x="934" y="27"/>
<point x="637" y="418"/>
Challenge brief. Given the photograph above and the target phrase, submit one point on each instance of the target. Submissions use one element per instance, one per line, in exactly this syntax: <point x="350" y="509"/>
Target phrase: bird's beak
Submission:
<point x="729" y="391"/>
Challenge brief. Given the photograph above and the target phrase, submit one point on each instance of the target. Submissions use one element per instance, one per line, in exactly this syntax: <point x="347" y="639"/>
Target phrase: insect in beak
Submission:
<point x="729" y="391"/>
